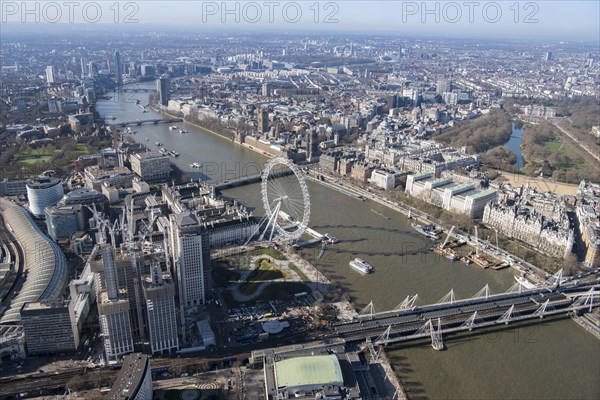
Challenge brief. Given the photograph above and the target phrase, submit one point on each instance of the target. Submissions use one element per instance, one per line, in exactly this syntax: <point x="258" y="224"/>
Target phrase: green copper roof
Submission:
<point x="308" y="370"/>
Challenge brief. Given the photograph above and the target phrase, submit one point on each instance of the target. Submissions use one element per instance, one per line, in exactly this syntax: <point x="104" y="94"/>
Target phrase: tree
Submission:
<point x="479" y="134"/>
<point x="570" y="264"/>
<point x="500" y="157"/>
<point x="76" y="383"/>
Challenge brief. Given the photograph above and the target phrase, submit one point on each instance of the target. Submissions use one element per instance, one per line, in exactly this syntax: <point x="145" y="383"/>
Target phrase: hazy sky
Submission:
<point x="555" y="19"/>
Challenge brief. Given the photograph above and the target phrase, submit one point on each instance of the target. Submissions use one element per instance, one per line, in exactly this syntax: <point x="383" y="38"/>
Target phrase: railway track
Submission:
<point x="408" y="323"/>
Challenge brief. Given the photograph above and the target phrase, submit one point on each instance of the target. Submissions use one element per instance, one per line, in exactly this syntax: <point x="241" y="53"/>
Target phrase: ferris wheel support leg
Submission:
<point x="271" y="222"/>
<point x="275" y="215"/>
<point x="258" y="226"/>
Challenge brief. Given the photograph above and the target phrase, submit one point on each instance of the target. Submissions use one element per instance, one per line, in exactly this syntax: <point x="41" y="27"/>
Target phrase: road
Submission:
<point x="573" y="138"/>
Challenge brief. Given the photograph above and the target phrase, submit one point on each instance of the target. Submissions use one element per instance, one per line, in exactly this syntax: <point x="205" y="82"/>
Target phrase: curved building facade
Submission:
<point x="43" y="192"/>
<point x="44" y="262"/>
<point x="64" y="221"/>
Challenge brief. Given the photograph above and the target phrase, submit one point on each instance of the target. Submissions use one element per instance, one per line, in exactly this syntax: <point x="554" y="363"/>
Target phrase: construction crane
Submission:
<point x="148" y="229"/>
<point x="111" y="230"/>
<point x="448" y="237"/>
<point x="99" y="224"/>
<point x="497" y="246"/>
<point x="476" y="241"/>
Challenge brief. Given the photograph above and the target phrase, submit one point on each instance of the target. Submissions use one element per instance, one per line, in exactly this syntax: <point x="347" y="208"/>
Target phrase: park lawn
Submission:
<point x="270" y="252"/>
<point x="222" y="274"/>
<point x="282" y="291"/>
<point x="249" y="288"/>
<point x="81" y="149"/>
<point x="265" y="271"/>
<point x="297" y="270"/>
<point x="35" y="156"/>
<point x="30" y="160"/>
<point x="266" y="268"/>
<point x="275" y="291"/>
<point x="558" y="146"/>
<point x="554" y="145"/>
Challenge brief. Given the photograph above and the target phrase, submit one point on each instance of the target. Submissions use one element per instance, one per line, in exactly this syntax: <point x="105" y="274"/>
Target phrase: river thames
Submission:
<point x="552" y="360"/>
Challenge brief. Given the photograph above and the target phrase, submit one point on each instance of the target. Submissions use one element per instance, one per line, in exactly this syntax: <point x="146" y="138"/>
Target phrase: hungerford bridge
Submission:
<point x="411" y="322"/>
<point x="154" y="121"/>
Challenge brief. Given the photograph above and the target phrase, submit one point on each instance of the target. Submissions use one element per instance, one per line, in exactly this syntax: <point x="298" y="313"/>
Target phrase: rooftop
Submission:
<point x="98" y="173"/>
<point x="82" y="194"/>
<point x="461" y="187"/>
<point x="482" y="193"/>
<point x="44" y="262"/>
<point x="422" y="175"/>
<point x="149" y="154"/>
<point x="42" y="183"/>
<point x="308" y="370"/>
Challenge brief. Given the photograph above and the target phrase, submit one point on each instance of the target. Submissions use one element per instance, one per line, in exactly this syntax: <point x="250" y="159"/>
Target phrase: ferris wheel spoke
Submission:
<point x="296" y="212"/>
<point x="296" y="192"/>
<point x="297" y="206"/>
<point x="278" y="189"/>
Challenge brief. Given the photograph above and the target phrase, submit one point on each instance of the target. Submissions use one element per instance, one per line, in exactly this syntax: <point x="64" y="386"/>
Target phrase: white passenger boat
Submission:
<point x="427" y="230"/>
<point x="525" y="283"/>
<point x="361" y="266"/>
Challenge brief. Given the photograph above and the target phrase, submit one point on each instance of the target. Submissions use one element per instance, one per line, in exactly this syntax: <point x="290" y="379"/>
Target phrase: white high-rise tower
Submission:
<point x="159" y="293"/>
<point x="50" y="74"/>
<point x="113" y="308"/>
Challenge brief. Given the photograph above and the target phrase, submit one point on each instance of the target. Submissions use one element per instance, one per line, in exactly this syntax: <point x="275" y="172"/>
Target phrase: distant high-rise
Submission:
<point x="266" y="89"/>
<point x="147" y="70"/>
<point x="118" y="69"/>
<point x="263" y="121"/>
<point x="190" y="250"/>
<point x="50" y="74"/>
<point x="83" y="67"/>
<point x="312" y="145"/>
<point x="443" y="85"/>
<point x="113" y="309"/>
<point x="549" y="56"/>
<point x="159" y="294"/>
<point x="92" y="69"/>
<point x="391" y="101"/>
<point x="162" y="86"/>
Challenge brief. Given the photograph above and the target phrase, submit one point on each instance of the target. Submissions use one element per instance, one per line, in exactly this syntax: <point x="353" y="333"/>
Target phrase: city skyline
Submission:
<point x="482" y="19"/>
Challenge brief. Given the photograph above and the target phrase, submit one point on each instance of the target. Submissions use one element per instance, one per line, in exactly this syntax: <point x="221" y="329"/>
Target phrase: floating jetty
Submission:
<point x="317" y="237"/>
<point x="480" y="260"/>
<point x="501" y="266"/>
<point x="308" y="242"/>
<point x="314" y="233"/>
